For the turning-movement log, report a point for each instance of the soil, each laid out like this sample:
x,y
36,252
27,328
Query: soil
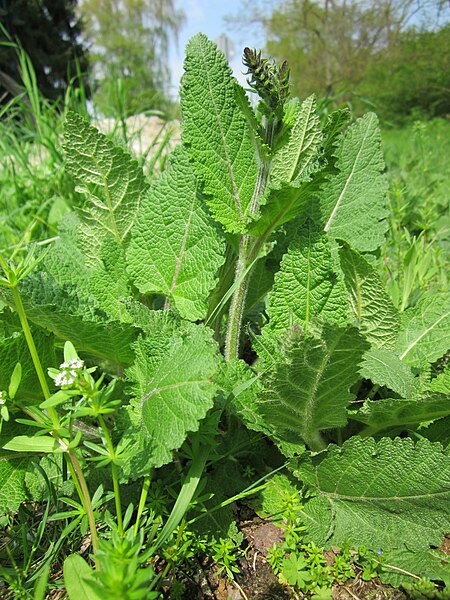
x,y
257,581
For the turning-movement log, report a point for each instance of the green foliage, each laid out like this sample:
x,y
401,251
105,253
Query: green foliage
x,y
384,368
349,204
297,401
409,80
370,306
55,59
176,199
77,577
218,135
385,486
130,53
299,156
307,286
147,284
171,401
424,328
111,180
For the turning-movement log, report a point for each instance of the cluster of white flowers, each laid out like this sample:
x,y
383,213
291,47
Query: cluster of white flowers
x,y
69,372
2,398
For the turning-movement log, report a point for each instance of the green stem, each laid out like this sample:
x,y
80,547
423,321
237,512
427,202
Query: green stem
x,y
115,474
142,501
249,248
73,464
77,473
32,347
237,305
315,441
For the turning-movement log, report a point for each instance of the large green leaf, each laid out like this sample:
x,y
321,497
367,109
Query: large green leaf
x,y
387,494
176,249
217,134
240,386
288,202
430,563
306,286
172,382
104,278
111,179
369,302
353,203
384,368
72,314
309,392
424,331
298,158
12,481
393,413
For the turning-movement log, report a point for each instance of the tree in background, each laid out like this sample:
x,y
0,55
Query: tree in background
x,y
130,52
412,79
49,32
334,46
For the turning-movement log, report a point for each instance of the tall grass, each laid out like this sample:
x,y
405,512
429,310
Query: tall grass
x,y
416,254
36,190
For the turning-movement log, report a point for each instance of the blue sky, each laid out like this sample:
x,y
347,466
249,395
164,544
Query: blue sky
x,y
208,17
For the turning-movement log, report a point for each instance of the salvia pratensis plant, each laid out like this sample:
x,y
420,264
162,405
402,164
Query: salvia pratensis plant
x,y
235,295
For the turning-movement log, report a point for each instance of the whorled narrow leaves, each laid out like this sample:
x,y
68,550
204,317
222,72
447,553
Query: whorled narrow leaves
x,y
424,331
370,305
387,494
176,248
352,202
111,179
172,379
298,158
217,134
307,287
309,391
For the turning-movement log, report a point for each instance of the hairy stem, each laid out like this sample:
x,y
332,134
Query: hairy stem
x,y
237,305
249,249
315,441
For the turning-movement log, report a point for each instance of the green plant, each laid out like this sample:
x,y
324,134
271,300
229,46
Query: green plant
x,y
225,554
239,288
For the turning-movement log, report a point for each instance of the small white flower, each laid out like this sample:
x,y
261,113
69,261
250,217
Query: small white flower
x,y
2,398
69,372
76,363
